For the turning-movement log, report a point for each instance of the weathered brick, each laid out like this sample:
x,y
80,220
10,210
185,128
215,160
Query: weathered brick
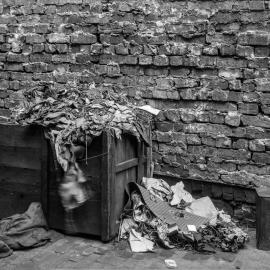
x,y
109,70
254,38
109,39
227,193
156,72
220,95
145,60
227,50
263,158
261,51
61,48
121,49
83,38
231,154
240,144
244,51
37,67
34,38
58,38
161,60
248,108
193,139
12,57
256,146
61,58
164,127
185,83
178,49
256,121
250,196
232,119
210,50
37,48
176,61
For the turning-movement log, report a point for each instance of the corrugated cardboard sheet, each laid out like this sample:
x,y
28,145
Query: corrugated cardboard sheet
x,y
169,214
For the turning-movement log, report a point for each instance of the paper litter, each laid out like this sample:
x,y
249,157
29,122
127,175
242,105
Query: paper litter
x,y
138,243
205,208
171,227
180,194
171,264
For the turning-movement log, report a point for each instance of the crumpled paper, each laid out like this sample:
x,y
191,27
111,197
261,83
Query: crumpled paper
x,y
180,194
158,188
126,226
205,208
138,243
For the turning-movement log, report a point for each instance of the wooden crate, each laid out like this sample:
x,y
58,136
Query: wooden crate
x,y
111,165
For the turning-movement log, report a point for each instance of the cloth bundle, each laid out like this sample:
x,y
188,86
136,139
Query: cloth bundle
x,y
21,231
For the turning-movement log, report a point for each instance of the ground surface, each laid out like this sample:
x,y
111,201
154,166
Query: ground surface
x,y
66,252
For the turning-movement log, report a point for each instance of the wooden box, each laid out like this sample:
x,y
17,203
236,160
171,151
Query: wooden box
x,y
29,173
263,218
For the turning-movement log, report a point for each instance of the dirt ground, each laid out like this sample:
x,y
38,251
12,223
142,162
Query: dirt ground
x,y
67,252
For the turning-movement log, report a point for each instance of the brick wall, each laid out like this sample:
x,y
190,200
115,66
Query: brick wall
x,y
205,63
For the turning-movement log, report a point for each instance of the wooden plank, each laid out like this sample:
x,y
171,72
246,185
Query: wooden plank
x,y
16,175
107,184
44,175
140,168
20,157
20,188
15,202
18,136
126,165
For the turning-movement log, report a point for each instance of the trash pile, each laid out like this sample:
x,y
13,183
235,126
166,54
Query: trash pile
x,y
72,116
170,217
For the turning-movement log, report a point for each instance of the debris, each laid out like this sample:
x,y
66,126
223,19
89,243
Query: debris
x,y
191,228
150,109
197,225
224,217
205,208
180,194
169,214
138,243
171,264
125,227
158,188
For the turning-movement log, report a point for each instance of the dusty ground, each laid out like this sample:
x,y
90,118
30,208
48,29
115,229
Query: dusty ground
x,y
66,252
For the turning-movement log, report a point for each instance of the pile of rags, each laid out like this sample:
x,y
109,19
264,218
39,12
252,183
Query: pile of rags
x,y
21,231
145,224
72,116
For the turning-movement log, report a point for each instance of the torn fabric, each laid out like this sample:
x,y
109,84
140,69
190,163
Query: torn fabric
x,y
20,231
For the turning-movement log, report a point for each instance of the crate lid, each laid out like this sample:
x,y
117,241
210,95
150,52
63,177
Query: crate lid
x,y
263,192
